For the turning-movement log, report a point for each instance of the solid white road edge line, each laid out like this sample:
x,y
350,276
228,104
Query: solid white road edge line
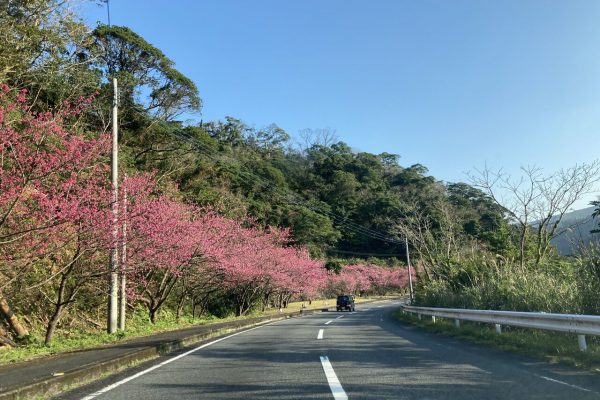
x,y
328,322
334,383
170,360
320,335
566,384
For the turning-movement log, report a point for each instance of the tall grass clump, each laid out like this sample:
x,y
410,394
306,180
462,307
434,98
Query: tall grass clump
x,y
563,287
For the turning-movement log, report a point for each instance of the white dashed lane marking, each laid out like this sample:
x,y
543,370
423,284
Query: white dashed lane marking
x,y
334,383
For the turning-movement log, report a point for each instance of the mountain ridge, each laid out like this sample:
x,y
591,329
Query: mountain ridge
x,y
575,227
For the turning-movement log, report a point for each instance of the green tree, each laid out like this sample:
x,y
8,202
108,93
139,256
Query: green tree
x,y
148,79
42,46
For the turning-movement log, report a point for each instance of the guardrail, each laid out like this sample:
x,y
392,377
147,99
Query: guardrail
x,y
571,323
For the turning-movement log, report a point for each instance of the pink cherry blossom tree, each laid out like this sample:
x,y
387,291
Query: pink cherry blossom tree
x,y
51,187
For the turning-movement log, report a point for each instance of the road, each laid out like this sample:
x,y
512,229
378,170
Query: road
x,y
361,355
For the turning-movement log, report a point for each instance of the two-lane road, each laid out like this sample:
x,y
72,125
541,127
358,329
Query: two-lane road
x,y
360,355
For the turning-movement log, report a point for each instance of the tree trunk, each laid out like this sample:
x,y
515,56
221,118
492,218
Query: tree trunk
x,y
286,301
5,340
12,320
522,249
53,324
152,315
62,299
266,300
180,306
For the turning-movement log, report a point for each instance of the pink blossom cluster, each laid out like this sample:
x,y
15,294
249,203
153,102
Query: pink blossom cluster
x,y
53,182
367,279
167,235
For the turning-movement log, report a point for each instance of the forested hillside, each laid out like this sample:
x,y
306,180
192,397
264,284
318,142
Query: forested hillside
x,y
220,218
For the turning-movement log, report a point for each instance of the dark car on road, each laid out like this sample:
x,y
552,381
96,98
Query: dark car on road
x,y
345,302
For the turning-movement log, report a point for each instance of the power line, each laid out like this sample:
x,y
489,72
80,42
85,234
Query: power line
x,y
296,199
340,220
357,253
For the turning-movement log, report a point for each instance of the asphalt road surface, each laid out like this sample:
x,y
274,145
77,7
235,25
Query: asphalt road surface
x,y
341,355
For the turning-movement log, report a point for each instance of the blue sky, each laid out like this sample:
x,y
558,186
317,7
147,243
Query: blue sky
x,y
448,84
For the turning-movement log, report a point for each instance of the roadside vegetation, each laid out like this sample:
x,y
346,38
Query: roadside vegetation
x,y
514,267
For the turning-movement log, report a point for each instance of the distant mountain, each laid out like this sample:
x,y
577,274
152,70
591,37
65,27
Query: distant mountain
x,y
576,226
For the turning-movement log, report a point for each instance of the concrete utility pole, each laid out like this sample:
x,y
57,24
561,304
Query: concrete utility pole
x,y
410,287
114,252
123,286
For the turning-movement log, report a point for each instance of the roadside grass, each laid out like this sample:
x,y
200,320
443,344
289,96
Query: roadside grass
x,y
552,347
78,339
138,325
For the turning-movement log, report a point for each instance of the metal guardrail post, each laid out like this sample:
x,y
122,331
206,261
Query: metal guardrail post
x,y
498,329
433,319
457,323
582,342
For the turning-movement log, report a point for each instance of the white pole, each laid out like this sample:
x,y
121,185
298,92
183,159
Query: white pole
x,y
122,289
114,252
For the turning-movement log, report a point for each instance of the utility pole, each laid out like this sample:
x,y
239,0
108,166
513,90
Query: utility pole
x,y
122,293
114,251
410,286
